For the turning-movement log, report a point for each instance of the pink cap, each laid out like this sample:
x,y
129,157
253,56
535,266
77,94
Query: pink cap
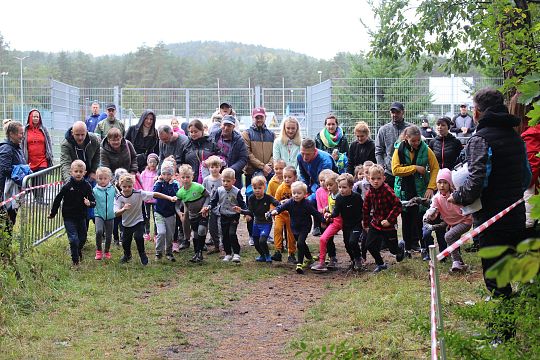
x,y
445,174
258,111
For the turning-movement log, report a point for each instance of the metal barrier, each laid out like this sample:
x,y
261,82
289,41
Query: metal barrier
x,y
36,204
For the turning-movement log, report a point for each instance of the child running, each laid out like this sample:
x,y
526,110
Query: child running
x,y
104,193
77,197
300,210
283,220
380,211
128,205
321,197
458,224
229,203
148,177
165,213
211,183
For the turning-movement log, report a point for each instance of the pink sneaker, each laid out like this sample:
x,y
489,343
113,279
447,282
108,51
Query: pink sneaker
x,y
175,247
146,237
107,255
99,254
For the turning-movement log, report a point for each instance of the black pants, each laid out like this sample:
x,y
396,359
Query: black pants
x,y
229,227
137,232
412,227
331,248
250,222
351,238
118,229
301,244
199,225
375,238
390,180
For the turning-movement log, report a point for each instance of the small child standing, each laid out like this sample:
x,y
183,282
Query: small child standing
x,y
229,203
148,177
104,193
277,179
380,212
283,220
77,197
458,224
118,229
128,205
321,197
259,206
195,198
175,125
211,183
300,210
165,213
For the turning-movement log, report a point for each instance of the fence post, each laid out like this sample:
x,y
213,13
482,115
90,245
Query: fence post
x,y
437,300
187,105
257,97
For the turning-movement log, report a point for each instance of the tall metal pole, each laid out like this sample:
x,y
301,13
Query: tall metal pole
x,y
320,76
283,97
4,73
218,95
22,93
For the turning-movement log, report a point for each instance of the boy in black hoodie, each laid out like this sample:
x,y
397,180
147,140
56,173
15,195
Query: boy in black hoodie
x,y
78,196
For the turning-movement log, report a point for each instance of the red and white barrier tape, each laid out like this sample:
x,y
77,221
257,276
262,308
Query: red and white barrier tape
x,y
433,313
467,237
17,196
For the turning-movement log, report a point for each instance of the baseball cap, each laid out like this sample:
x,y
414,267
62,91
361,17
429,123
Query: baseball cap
x,y
225,105
228,119
463,105
397,106
258,111
111,106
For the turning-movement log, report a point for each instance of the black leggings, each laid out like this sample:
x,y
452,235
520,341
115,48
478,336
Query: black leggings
x,y
351,238
412,227
136,232
229,226
199,225
375,238
303,249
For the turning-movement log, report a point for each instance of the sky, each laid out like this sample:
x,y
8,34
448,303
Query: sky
x,y
316,28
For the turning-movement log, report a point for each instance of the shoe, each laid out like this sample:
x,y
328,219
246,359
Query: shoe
x,y
458,266
320,267
276,256
401,255
144,259
380,268
124,259
307,263
200,257
99,255
236,258
316,231
407,254
227,258
194,258
146,237
175,247
108,255
357,264
415,248
260,258
332,264
209,241
158,257
425,255
299,269
117,243
268,258
184,245
251,242
291,259
80,255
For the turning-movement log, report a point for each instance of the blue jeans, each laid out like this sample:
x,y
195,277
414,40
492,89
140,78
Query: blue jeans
x,y
76,232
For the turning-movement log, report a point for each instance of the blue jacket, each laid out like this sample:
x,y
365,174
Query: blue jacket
x,y
163,207
104,202
10,155
237,157
93,120
309,172
300,213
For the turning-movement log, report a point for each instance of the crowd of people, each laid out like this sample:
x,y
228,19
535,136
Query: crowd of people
x,y
183,182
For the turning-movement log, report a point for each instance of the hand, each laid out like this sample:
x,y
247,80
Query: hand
x,y
172,199
464,130
327,216
248,218
420,169
268,215
385,223
50,216
204,211
86,202
428,194
451,199
274,212
237,209
126,206
267,169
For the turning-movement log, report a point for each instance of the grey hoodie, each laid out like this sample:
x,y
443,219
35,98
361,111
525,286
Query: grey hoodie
x,y
387,135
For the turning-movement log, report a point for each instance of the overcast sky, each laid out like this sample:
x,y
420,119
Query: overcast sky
x,y
316,28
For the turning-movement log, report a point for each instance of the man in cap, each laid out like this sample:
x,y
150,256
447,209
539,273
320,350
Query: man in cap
x,y
387,136
233,148
463,124
106,124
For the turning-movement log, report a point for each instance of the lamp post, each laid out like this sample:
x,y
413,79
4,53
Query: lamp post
x,y
320,76
22,97
4,74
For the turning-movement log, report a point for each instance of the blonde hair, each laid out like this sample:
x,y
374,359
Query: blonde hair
x,y
323,174
283,135
299,185
213,160
258,180
346,177
280,161
368,163
331,176
229,174
291,169
376,169
78,163
362,128
185,169
104,170
127,179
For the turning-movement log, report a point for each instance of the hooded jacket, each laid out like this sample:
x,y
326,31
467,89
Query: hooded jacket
x,y
88,152
30,132
259,144
124,157
237,157
196,151
10,155
144,145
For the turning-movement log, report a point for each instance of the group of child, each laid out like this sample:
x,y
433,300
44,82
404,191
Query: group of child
x,y
363,207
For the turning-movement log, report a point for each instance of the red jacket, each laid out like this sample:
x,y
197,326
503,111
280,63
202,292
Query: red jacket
x,y
385,205
531,137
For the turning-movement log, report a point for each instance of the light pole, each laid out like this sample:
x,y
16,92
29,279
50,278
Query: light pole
x,y
4,74
22,97
320,76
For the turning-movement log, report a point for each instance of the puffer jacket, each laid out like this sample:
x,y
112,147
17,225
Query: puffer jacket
x,y
104,201
259,143
125,157
88,152
446,149
196,151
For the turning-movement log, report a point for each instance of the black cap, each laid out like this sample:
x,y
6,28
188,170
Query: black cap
x,y
225,105
463,105
397,106
111,106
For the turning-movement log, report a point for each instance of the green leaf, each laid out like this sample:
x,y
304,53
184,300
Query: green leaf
x,y
529,244
492,251
529,91
530,269
534,114
494,271
535,77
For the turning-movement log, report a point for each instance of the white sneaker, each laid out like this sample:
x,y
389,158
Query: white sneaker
x,y
251,242
227,258
236,258
458,266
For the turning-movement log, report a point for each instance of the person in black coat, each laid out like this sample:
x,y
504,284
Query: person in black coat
x,y
362,149
144,138
445,146
10,155
197,149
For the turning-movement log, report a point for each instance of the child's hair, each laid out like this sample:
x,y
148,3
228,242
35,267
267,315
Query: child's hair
x,y
104,170
368,163
167,169
362,128
228,174
114,133
299,185
185,169
346,177
290,169
78,163
376,169
127,179
118,174
258,180
174,119
358,169
280,161
213,161
323,174
332,176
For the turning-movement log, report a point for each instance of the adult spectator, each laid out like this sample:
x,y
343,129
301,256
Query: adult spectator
x,y
144,138
198,148
531,137
331,137
287,144
445,146
311,161
226,109
387,136
170,144
117,152
232,146
215,122
95,117
111,121
362,149
463,124
10,155
498,174
83,145
37,149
